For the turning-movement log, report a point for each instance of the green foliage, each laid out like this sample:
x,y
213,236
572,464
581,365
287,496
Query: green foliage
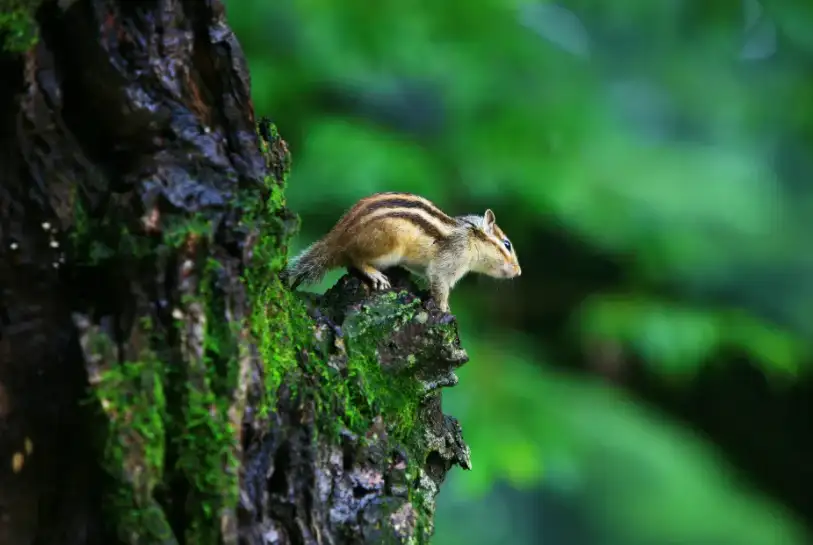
x,y
677,338
643,478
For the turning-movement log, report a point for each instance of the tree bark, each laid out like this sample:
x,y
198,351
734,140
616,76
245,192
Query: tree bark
x,y
158,384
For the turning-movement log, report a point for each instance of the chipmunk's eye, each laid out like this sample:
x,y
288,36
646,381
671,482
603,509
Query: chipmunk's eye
x,y
507,244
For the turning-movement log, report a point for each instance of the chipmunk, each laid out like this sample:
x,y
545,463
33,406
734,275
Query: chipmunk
x,y
401,229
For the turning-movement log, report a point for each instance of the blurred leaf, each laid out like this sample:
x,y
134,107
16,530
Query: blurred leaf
x,y
760,33
558,25
343,162
677,339
515,418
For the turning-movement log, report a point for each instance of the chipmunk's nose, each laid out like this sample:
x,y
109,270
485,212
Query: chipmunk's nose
x,y
519,270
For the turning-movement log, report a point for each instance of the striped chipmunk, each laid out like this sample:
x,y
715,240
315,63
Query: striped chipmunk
x,y
401,229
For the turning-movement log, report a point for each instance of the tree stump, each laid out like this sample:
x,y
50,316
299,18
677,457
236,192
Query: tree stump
x,y
158,382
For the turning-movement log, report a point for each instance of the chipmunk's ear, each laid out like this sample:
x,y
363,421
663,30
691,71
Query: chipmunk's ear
x,y
489,220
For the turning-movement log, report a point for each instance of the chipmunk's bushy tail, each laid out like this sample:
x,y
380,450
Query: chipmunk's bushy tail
x,y
310,266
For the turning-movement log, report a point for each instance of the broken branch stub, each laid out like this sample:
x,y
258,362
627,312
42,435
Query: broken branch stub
x,y
376,483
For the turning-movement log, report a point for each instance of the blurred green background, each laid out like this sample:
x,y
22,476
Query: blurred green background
x,y
645,381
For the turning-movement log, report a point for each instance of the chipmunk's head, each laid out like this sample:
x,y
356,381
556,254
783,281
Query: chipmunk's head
x,y
494,255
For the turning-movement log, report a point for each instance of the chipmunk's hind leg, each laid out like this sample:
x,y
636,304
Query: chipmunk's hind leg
x,y
376,279
378,252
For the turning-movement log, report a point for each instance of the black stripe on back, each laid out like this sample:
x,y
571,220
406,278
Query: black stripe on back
x,y
417,219
406,203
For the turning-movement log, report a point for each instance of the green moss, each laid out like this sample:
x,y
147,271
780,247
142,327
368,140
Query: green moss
x,y
194,428
17,25
132,394
423,501
278,320
97,240
178,230
132,397
371,391
206,442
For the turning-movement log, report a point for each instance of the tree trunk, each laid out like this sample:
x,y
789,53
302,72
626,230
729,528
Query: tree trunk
x,y
158,384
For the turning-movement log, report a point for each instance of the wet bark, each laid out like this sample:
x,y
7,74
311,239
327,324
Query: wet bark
x,y
142,397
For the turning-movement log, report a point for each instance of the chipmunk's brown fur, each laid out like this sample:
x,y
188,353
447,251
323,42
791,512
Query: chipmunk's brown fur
x,y
401,229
